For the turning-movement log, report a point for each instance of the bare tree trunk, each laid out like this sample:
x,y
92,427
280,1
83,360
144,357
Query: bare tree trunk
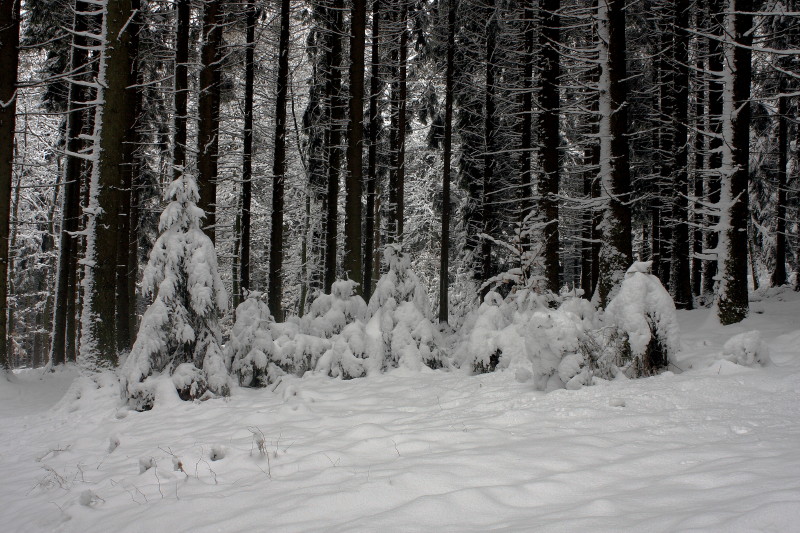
x,y
247,156
681,246
275,289
397,146
372,155
489,133
444,256
208,111
355,146
181,95
70,201
779,274
732,293
549,38
616,250
333,91
713,184
99,332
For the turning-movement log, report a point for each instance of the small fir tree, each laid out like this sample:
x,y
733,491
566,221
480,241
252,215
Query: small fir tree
x,y
180,331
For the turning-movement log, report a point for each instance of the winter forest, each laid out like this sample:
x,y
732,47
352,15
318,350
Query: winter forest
x,y
349,201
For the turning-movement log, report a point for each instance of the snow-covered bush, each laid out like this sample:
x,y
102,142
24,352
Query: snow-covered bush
x,y
295,351
330,313
400,313
524,330
250,347
349,354
181,325
643,313
747,349
480,346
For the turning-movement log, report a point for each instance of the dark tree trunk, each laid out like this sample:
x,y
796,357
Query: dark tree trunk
x,y
616,250
681,246
779,274
715,62
99,344
127,266
699,164
397,139
732,299
355,146
527,205
662,216
372,155
247,155
183,8
489,132
208,112
550,71
333,90
70,200
275,290
444,256
9,60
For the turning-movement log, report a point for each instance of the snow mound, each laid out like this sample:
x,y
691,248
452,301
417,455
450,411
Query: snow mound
x,y
644,311
746,349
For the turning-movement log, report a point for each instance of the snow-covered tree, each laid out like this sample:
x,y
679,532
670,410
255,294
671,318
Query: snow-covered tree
x,y
180,331
400,311
644,313
250,347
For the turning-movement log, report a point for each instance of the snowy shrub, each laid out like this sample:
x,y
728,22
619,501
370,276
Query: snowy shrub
x,y
295,351
644,314
480,345
250,347
181,325
330,313
401,316
348,356
525,330
747,349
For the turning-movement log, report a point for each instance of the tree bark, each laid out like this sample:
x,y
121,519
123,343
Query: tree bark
x,y
208,111
444,256
333,91
732,293
397,139
372,154
779,274
616,250
70,199
550,71
355,147
275,290
99,333
681,245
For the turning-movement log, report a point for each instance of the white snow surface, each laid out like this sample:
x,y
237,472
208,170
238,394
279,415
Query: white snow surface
x,y
714,448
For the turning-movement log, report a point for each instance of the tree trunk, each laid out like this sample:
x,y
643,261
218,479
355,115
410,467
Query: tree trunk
x,y
372,155
779,274
713,183
247,155
489,133
681,245
127,266
616,250
333,91
355,146
98,332
444,255
550,71
527,205
181,95
70,200
732,293
208,111
397,139
275,290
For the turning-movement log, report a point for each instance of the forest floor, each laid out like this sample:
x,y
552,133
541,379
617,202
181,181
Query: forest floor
x,y
713,448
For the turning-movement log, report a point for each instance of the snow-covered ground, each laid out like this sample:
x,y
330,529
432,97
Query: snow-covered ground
x,y
714,448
